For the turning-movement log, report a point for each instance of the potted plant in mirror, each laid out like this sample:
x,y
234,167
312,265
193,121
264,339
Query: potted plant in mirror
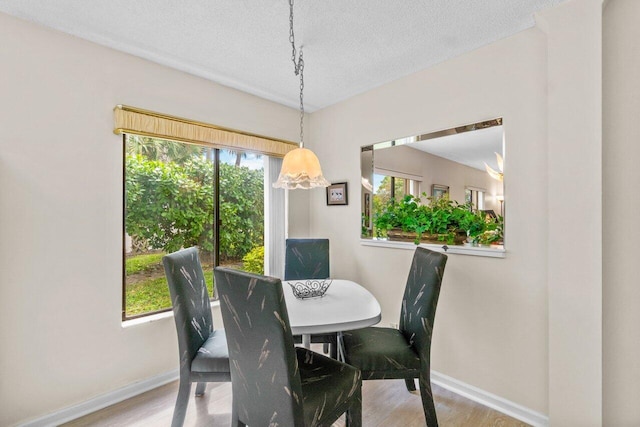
x,y
440,221
474,223
449,221
493,233
398,220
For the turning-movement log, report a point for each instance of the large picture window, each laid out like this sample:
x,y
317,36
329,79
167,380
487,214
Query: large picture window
x,y
178,195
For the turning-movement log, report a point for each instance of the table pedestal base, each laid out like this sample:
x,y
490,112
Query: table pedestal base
x,y
306,343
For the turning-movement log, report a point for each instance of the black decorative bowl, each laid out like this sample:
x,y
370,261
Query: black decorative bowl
x,y
312,288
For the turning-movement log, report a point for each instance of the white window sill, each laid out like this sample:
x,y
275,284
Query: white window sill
x,y
491,252
155,317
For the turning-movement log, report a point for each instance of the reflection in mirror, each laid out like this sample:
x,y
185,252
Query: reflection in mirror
x,y
442,187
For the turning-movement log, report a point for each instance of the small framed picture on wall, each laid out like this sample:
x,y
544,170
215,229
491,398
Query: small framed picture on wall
x,y
337,194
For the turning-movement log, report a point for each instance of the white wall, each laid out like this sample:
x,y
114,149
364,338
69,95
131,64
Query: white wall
x,y
574,144
299,212
491,325
61,337
494,329
621,178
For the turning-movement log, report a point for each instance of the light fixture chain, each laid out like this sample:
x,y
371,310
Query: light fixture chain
x,y
301,69
300,167
298,64
292,39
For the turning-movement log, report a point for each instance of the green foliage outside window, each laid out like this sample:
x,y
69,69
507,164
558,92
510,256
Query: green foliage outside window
x,y
171,205
241,210
253,262
382,196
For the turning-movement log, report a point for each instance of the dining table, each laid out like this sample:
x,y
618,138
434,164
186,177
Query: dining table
x,y
346,305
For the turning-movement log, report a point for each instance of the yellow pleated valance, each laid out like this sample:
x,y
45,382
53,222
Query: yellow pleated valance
x,y
148,123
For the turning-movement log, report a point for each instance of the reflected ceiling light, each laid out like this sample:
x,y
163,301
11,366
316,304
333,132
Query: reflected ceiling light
x,y
300,167
367,185
494,174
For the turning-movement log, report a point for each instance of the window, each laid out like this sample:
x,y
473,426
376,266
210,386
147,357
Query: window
x,y
209,190
475,197
175,194
388,187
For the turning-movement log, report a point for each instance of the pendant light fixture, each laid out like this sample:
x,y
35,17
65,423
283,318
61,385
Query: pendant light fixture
x,y
300,167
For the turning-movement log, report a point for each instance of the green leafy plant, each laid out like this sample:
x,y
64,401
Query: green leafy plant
x,y
493,232
169,205
474,223
441,219
402,214
253,262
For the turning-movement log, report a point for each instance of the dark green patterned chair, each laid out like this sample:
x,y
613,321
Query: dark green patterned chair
x,y
203,350
386,353
275,383
309,259
306,259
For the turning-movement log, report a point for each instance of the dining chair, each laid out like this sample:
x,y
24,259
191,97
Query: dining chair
x,y
273,382
404,353
203,350
306,259
309,259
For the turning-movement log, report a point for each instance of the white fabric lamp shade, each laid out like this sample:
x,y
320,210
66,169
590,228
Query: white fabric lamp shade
x,y
300,169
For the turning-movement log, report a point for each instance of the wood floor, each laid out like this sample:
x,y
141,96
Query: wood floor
x,y
385,404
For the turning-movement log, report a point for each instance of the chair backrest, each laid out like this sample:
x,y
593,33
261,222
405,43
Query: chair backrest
x,y
421,298
190,300
265,378
306,259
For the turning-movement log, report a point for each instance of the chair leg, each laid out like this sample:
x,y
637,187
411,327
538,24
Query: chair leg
x,y
337,347
200,389
354,413
428,405
411,384
180,411
235,421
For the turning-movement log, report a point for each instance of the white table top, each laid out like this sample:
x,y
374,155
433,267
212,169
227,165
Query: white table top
x,y
345,306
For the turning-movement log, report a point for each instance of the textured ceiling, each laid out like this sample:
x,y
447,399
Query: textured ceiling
x,y
349,46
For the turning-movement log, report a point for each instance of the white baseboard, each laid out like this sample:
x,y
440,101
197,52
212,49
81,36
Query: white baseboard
x,y
492,401
70,413
99,402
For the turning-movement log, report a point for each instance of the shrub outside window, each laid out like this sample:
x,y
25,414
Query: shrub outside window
x,y
171,191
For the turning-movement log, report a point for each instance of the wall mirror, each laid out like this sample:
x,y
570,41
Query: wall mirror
x,y
444,187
